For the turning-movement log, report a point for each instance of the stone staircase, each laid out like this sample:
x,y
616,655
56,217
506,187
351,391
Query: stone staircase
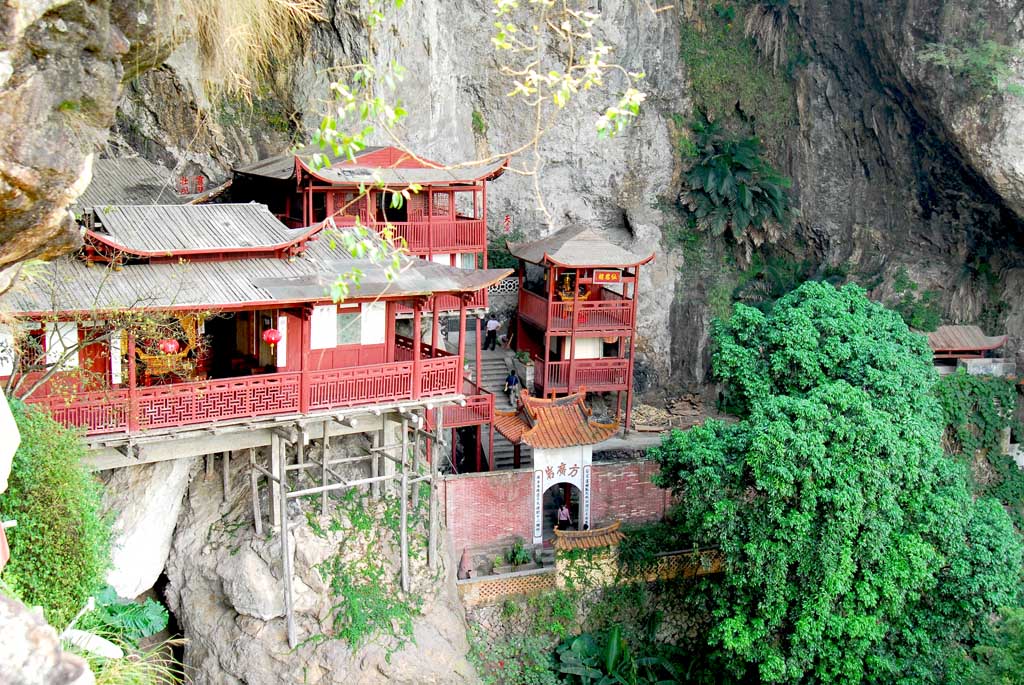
x,y
493,370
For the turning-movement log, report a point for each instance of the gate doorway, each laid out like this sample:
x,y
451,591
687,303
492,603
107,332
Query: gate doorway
x,y
553,499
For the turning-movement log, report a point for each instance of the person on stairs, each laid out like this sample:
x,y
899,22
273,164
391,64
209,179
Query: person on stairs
x,y
512,386
492,332
564,517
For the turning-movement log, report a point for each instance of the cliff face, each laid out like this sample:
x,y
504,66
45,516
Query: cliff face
x,y
898,163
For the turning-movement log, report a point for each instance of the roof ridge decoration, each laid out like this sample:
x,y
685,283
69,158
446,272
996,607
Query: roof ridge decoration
x,y
576,246
553,423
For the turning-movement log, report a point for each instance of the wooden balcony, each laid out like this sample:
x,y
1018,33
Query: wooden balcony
x,y
206,402
598,375
479,409
449,303
431,237
611,314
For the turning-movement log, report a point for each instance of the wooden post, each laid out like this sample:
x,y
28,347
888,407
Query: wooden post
x,y
276,468
404,507
632,351
575,313
435,326
479,438
286,558
490,438
133,393
382,460
227,475
325,453
434,505
254,485
462,330
305,336
416,459
478,351
416,335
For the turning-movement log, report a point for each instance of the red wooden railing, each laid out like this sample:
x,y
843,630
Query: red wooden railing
x,y
97,412
479,408
447,235
202,402
403,350
596,374
182,404
360,385
591,315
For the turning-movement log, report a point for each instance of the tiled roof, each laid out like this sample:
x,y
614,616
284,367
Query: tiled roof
x,y
576,246
963,338
282,166
132,180
549,424
609,536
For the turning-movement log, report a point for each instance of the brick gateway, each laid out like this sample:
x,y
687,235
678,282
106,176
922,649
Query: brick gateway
x,y
485,509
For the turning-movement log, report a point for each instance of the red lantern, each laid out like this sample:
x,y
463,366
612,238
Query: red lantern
x,y
168,346
271,336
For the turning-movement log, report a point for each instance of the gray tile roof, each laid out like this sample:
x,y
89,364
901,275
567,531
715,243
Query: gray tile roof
x,y
282,166
163,229
403,177
129,181
68,284
576,246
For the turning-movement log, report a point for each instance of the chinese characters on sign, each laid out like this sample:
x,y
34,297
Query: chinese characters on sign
x,y
586,496
607,276
538,507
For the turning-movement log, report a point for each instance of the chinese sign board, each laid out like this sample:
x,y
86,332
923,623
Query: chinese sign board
x,y
555,466
607,276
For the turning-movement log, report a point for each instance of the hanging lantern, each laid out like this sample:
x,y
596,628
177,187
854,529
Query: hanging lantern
x,y
168,346
271,336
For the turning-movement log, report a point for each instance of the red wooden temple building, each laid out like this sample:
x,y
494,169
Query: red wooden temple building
x,y
246,326
577,313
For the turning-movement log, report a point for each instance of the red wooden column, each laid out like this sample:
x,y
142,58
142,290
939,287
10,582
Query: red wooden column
x,y
133,396
305,337
478,351
519,319
552,277
632,349
462,330
416,334
575,313
434,325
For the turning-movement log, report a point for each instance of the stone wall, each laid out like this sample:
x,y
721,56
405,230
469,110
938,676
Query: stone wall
x,y
489,509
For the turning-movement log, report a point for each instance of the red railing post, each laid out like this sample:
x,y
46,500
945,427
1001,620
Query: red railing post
x,y
304,342
417,381
133,399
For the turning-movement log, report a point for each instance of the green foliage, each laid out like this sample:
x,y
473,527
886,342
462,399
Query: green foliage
x,y
152,666
498,256
976,411
732,188
518,554
479,124
728,79
554,613
855,550
61,546
607,659
519,660
999,660
987,65
639,551
920,311
124,619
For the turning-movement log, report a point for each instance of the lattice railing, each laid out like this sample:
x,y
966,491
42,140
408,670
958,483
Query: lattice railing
x,y
436,235
96,412
440,376
479,408
361,385
493,589
181,404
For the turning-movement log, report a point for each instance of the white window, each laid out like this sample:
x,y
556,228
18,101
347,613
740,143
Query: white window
x,y
282,345
467,260
374,323
61,338
323,327
349,326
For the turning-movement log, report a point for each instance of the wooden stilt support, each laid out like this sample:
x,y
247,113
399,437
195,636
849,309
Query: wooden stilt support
x,y
282,490
226,476
324,457
432,521
276,468
254,485
416,465
404,507
209,465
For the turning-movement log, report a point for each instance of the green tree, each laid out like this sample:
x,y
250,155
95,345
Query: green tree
x,y
60,549
855,551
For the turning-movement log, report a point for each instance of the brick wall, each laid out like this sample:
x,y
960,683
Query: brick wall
x,y
623,491
483,509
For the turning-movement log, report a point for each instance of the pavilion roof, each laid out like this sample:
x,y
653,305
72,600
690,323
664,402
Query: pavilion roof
x,y
132,180
576,246
387,165
561,422
163,230
596,538
963,339
69,284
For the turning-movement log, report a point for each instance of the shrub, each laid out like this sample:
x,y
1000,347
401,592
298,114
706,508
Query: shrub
x,y
732,188
60,549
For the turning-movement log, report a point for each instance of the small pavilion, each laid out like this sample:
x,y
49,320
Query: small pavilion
x,y
577,313
963,342
562,434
